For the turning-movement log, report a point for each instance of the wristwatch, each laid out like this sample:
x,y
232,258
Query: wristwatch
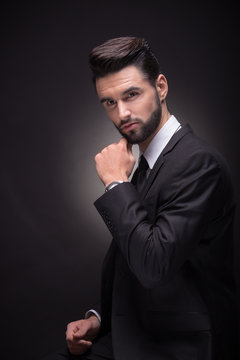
x,y
113,184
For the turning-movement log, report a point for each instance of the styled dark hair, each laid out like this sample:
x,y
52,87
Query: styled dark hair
x,y
115,54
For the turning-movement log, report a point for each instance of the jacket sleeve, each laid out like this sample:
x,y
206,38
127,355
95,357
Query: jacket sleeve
x,y
155,250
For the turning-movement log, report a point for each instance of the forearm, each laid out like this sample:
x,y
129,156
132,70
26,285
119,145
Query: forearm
x,y
96,324
128,222
155,247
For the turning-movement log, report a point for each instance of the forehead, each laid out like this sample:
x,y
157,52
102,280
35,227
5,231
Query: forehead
x,y
120,81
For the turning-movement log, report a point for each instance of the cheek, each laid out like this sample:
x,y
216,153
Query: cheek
x,y
144,109
113,117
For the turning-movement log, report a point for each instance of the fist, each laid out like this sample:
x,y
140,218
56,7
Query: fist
x,y
79,334
115,162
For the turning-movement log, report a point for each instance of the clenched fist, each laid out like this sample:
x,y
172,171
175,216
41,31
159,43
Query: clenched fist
x,y
79,334
115,162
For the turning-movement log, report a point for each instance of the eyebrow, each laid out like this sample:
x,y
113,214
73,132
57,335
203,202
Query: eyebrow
x,y
102,100
131,88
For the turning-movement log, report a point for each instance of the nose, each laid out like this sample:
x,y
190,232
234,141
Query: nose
x,y
123,111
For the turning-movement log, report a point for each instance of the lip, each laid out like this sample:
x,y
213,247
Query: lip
x,y
129,126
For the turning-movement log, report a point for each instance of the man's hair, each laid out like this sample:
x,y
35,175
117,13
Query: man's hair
x,y
115,54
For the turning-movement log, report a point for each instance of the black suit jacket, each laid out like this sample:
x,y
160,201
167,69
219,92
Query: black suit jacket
x,y
170,265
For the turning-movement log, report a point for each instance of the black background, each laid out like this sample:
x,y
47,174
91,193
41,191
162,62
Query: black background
x,y
52,125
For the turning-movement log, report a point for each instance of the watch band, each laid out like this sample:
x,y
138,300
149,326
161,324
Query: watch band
x,y
113,184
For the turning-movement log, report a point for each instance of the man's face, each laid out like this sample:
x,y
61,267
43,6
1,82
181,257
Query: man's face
x,y
131,102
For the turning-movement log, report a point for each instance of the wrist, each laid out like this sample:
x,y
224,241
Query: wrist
x,y
94,319
95,324
111,179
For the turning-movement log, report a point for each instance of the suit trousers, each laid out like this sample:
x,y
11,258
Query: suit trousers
x,y
101,350
183,345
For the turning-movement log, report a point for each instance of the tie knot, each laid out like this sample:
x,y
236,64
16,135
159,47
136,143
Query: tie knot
x,y
143,164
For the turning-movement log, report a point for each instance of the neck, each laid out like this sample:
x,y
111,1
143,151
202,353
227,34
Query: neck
x,y
165,116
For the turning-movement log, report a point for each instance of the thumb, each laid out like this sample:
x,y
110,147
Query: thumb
x,y
123,141
86,343
126,143
80,332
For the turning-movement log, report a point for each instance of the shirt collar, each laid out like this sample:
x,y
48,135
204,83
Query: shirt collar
x,y
160,140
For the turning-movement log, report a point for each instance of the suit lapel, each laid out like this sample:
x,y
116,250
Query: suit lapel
x,y
169,147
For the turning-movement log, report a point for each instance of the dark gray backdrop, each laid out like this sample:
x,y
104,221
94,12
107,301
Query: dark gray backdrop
x,y
52,239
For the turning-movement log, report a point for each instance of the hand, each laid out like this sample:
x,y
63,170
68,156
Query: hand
x,y
115,162
79,334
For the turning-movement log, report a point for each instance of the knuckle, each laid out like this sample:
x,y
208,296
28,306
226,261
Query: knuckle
x,y
111,146
68,340
71,324
97,157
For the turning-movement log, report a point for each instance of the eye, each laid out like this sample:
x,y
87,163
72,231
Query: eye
x,y
132,94
110,103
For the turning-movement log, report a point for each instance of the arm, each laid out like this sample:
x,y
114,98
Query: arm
x,y
155,250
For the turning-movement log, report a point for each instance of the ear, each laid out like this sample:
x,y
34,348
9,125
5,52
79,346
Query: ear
x,y
162,87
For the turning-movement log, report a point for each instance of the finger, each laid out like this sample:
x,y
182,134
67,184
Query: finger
x,y
126,143
123,141
85,343
70,331
78,335
72,327
81,331
75,329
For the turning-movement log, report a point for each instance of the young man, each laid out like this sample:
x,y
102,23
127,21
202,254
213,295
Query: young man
x,y
167,281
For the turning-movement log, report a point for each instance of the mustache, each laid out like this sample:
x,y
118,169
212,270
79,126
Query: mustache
x,y
129,121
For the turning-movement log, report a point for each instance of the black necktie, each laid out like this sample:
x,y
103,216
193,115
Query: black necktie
x,y
141,176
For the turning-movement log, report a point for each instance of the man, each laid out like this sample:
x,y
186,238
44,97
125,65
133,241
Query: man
x,y
167,280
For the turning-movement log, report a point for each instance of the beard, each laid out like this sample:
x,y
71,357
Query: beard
x,y
146,129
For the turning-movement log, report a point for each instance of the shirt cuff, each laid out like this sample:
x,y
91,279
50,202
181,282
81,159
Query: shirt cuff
x,y
92,312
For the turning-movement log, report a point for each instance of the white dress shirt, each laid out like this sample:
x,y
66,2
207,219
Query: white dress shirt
x,y
160,140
